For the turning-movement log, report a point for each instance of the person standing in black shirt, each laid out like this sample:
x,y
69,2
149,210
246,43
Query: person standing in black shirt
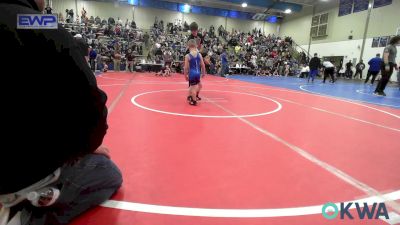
x,y
359,69
315,65
194,29
349,72
71,14
48,9
129,58
388,65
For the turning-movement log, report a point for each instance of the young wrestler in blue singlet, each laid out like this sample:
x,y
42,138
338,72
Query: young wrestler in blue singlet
x,y
194,69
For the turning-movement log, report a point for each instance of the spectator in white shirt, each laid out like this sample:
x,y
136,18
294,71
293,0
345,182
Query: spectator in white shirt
x,y
287,69
254,60
305,69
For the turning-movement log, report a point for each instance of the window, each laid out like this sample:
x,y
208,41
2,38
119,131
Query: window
x,y
319,25
322,30
314,31
315,21
323,19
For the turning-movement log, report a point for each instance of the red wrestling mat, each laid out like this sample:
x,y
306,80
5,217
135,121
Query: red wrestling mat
x,y
247,154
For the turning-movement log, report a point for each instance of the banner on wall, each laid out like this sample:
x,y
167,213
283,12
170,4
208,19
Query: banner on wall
x,y
184,8
384,41
345,2
381,3
360,5
345,9
375,42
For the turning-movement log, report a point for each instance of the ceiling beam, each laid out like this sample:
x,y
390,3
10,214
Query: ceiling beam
x,y
298,2
228,5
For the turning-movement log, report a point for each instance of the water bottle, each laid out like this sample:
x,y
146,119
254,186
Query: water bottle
x,y
44,197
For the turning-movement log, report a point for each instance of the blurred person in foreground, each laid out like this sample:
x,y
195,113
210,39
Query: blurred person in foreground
x,y
54,167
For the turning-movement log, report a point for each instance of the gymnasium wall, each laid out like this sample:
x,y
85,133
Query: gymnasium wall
x,y
298,29
101,9
339,28
384,21
144,17
204,21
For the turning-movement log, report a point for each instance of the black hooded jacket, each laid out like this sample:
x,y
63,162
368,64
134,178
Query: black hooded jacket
x,y
52,110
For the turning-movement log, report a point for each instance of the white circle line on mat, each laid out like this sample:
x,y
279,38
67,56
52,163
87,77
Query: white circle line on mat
x,y
237,213
278,108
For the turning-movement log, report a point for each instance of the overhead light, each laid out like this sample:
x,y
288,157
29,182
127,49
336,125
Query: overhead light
x,y
288,11
186,8
244,4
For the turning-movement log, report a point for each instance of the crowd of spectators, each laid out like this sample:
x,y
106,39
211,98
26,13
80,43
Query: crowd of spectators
x,y
250,53
116,44
106,43
260,54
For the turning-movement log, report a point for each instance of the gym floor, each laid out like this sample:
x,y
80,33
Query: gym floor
x,y
256,150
